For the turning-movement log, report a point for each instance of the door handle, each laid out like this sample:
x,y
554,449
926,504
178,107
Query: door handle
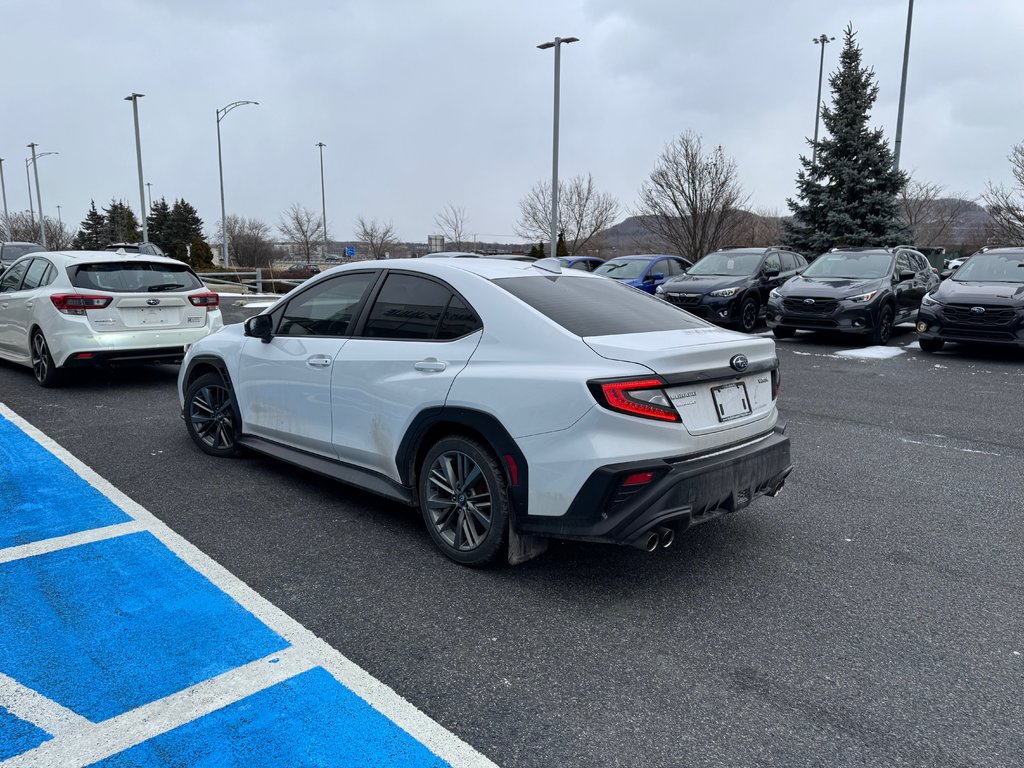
x,y
28,305
431,364
319,362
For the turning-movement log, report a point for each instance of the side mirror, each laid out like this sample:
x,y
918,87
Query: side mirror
x,y
655,277
260,327
907,275
771,273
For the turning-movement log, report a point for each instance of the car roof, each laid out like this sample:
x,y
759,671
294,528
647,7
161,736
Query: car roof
x,y
647,257
93,257
490,269
20,242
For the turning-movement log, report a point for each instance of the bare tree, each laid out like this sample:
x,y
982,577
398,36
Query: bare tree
x,y
1004,203
378,236
59,236
762,227
691,196
249,242
20,227
303,228
451,222
583,212
930,216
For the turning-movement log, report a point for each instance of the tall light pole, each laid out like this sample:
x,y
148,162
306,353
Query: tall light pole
x,y
822,40
3,189
220,168
323,198
39,198
557,45
61,223
149,196
134,99
903,90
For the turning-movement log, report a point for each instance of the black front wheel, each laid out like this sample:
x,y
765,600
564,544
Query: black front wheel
x,y
211,416
748,315
464,501
883,328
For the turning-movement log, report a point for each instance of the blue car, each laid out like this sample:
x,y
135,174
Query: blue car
x,y
582,263
644,271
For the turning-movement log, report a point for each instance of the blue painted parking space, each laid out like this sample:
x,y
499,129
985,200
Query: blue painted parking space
x,y
40,497
123,646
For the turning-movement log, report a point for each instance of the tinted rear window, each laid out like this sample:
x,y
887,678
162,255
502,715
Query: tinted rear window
x,y
12,252
597,307
134,277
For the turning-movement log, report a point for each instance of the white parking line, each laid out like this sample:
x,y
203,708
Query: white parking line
x,y
21,551
309,651
33,707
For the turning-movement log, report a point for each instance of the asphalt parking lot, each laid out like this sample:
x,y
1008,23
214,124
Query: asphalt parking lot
x,y
870,615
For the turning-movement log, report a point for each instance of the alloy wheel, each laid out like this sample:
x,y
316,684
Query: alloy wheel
x,y
40,358
459,500
210,411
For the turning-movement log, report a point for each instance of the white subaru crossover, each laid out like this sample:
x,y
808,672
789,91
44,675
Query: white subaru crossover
x,y
61,310
511,402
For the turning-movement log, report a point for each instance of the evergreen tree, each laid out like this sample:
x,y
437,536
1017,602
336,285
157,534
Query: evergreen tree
x,y
92,233
184,228
560,248
535,252
122,223
849,197
157,224
200,256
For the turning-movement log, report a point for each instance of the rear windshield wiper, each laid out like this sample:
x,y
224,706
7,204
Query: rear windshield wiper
x,y
165,287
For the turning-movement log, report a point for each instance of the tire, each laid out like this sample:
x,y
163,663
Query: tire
x,y
748,314
782,332
464,501
931,345
883,327
211,416
45,370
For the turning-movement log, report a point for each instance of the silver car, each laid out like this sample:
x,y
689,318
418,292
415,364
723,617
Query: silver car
x,y
65,310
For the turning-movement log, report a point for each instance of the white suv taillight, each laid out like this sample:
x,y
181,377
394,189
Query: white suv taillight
x,y
637,397
208,300
78,303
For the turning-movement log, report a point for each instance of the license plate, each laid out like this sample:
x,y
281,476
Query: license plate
x,y
154,316
731,401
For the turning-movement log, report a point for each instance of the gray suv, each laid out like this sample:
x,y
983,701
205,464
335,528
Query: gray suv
x,y
9,252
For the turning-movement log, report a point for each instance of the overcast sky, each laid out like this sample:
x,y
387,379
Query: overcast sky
x,y
425,103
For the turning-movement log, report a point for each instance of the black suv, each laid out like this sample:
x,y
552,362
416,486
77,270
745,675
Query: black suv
x,y
856,290
730,286
983,301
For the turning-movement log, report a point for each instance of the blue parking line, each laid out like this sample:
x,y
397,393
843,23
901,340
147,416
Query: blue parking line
x,y
271,729
40,497
108,632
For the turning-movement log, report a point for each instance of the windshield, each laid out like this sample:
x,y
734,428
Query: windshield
x,y
134,277
623,269
580,305
851,265
731,264
992,268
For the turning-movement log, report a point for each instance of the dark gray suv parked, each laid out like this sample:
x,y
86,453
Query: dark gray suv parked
x,y
9,252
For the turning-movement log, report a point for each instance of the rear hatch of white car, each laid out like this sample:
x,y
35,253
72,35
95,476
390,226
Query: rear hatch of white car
x,y
138,295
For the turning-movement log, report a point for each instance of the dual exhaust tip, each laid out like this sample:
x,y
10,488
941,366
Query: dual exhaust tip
x,y
661,536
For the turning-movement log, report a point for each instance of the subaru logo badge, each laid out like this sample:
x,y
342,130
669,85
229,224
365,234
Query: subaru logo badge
x,y
808,301
977,310
152,302
739,362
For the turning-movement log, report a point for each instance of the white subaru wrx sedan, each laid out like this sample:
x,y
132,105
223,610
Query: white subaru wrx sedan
x,y
511,402
61,310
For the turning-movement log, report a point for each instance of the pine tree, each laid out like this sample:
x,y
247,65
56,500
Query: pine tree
x,y
157,224
183,229
122,223
92,233
849,196
560,248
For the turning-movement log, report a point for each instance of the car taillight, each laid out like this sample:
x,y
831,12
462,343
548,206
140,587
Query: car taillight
x,y
77,303
776,383
637,397
208,300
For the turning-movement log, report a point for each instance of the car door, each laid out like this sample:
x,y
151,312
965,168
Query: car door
x,y
284,386
766,283
418,335
20,309
907,299
651,279
10,300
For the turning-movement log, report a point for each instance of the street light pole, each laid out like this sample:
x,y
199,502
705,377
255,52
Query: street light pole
x,y
903,90
323,198
821,40
149,196
3,189
39,198
134,99
220,168
61,223
557,45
